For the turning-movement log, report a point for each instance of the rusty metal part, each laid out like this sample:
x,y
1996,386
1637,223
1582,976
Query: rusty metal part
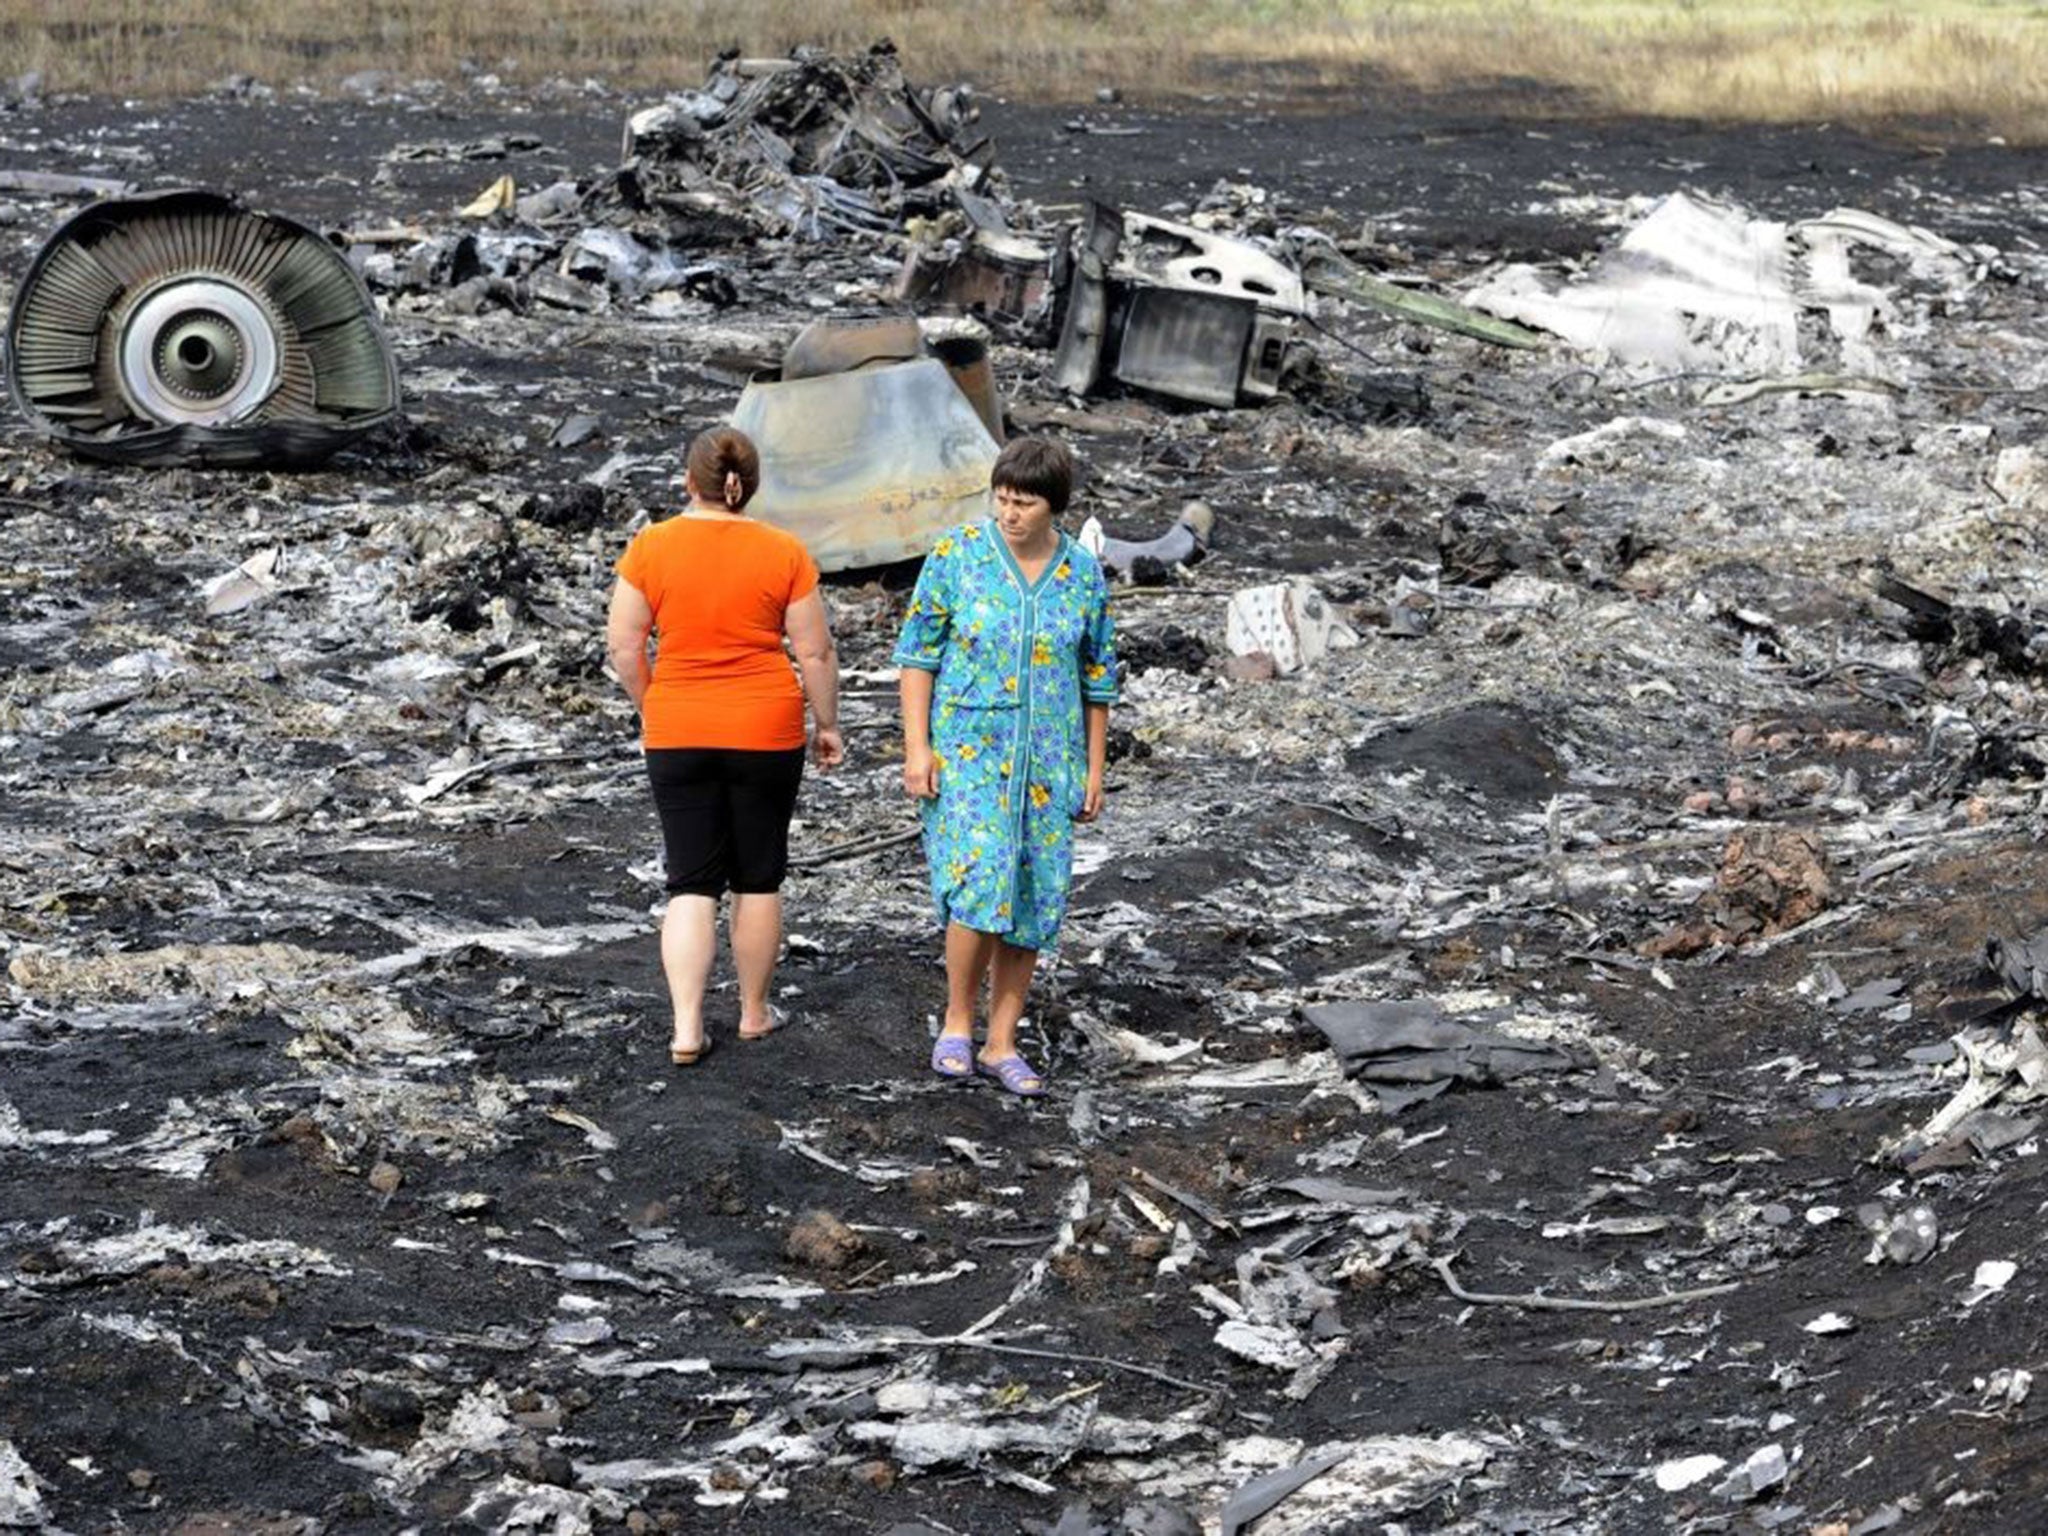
x,y
965,354
840,346
999,276
1188,345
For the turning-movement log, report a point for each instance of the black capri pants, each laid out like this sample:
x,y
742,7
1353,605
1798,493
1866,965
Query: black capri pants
x,y
725,817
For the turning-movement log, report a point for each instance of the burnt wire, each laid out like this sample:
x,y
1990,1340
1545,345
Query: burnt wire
x,y
1343,341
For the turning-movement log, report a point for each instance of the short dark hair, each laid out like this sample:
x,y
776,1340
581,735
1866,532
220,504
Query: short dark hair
x,y
1037,466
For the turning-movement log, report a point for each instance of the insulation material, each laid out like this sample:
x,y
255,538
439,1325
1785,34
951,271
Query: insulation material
x,y
1702,285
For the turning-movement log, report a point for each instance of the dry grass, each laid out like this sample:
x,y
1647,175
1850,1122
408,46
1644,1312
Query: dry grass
x,y
1984,62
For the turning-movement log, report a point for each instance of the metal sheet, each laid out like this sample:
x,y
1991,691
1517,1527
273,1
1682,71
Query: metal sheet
x,y
1181,256
1188,345
868,467
966,358
1265,358
1084,327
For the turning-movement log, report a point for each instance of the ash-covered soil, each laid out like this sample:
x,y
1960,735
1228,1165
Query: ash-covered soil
x,y
344,1183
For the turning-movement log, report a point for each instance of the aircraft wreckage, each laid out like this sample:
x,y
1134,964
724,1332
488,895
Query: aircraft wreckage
x,y
1549,1040
183,328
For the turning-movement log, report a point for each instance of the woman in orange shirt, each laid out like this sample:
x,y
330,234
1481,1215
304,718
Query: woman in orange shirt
x,y
722,718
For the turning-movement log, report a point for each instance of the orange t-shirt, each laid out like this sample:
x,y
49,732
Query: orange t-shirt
x,y
719,588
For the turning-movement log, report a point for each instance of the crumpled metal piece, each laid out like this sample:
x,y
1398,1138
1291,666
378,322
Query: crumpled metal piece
x,y
1411,1050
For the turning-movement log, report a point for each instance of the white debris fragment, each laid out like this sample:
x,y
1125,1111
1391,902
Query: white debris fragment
x,y
1289,620
955,1434
122,681
1607,1226
131,1252
596,1136
1764,1470
21,1492
481,1421
17,1137
1992,1276
1386,1475
513,1506
1599,447
1677,1476
2020,477
621,1364
580,1332
185,1140
971,1151
1267,1344
1320,1069
1128,1045
1906,1238
2005,1388
514,943
1184,1253
250,583
1699,284
902,1397
1831,1322
410,672
2013,1070
639,1472
784,1293
137,1330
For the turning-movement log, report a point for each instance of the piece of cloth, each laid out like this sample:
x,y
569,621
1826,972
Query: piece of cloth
x,y
1410,1051
720,588
1014,661
725,816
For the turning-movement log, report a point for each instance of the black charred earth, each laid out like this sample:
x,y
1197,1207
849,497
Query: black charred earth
x,y
1499,1068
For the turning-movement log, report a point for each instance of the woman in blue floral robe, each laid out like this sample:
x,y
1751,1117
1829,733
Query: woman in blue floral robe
x,y
1008,660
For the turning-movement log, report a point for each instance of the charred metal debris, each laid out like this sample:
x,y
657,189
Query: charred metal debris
x,y
185,330
1550,1036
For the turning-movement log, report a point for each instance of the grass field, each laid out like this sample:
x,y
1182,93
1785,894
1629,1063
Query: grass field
x,y
1983,63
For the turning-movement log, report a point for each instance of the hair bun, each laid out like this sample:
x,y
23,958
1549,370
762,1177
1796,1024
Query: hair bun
x,y
724,467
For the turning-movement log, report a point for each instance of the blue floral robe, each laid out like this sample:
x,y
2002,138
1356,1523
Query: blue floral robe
x,y
1014,662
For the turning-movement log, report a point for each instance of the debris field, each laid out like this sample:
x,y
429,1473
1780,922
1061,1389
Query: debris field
x,y
1547,1038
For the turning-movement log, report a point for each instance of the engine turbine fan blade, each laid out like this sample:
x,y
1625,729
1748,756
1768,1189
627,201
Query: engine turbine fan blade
x,y
181,328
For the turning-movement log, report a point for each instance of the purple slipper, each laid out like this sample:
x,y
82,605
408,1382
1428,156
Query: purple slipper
x,y
953,1056
1015,1074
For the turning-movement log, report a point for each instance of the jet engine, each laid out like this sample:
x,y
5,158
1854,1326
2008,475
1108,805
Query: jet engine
x,y
181,328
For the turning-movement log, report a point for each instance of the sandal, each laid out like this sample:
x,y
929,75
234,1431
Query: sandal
x,y
684,1058
776,1019
1015,1074
953,1056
